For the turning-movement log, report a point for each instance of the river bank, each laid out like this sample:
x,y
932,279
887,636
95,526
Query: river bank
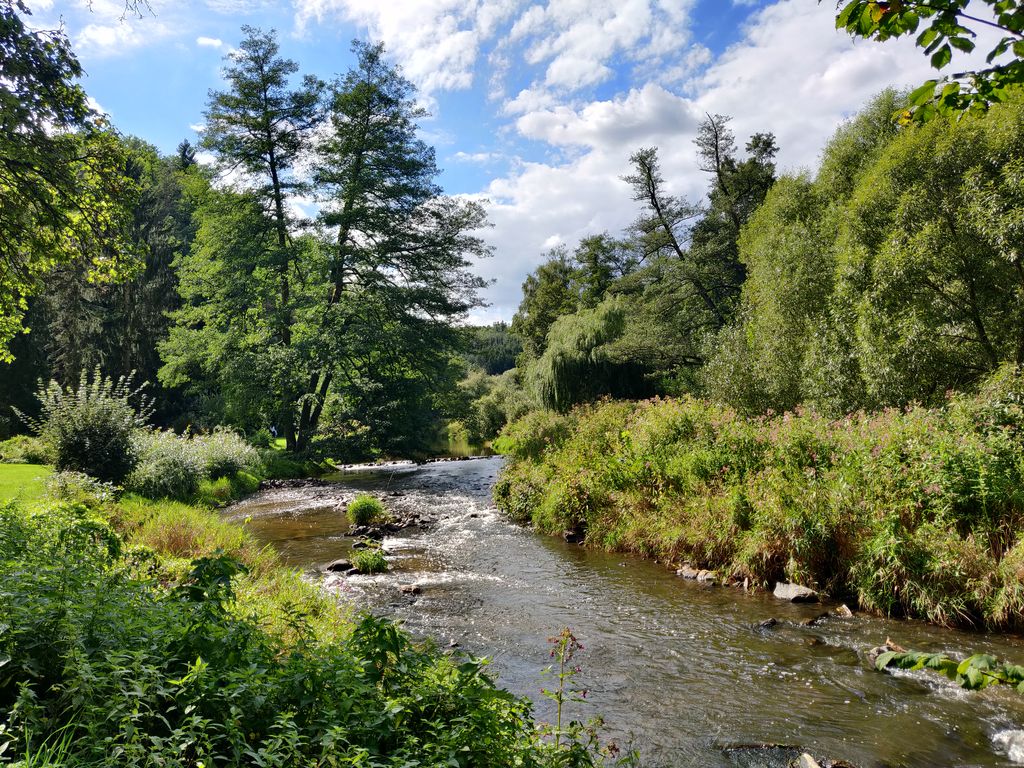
x,y
911,513
139,632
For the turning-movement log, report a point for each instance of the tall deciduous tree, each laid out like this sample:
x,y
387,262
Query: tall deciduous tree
x,y
260,127
352,319
398,249
64,196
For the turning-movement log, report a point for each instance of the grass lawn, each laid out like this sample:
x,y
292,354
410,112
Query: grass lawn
x,y
23,481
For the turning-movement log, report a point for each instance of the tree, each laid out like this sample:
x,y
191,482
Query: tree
x,y
261,126
946,25
63,193
893,277
351,319
547,295
398,253
690,286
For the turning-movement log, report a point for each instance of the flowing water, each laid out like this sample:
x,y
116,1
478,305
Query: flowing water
x,y
683,668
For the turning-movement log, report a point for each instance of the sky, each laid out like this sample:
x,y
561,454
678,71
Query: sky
x,y
535,105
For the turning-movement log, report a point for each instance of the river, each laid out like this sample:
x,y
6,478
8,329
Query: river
x,y
685,670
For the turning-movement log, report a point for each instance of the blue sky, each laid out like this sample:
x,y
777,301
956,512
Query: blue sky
x,y
536,104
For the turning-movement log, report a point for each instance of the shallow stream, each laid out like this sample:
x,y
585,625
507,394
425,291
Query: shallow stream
x,y
684,669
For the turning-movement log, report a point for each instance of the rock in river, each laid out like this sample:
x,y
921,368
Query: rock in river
x,y
794,593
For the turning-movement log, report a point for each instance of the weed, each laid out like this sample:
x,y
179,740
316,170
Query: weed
x,y
364,509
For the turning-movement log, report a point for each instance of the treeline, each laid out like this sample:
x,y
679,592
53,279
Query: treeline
x,y
891,276
309,281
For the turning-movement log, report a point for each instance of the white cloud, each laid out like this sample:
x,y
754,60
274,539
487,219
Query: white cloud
x,y
562,46
476,157
436,41
209,42
790,73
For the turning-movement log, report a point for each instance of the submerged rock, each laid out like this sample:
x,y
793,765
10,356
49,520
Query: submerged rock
x,y
688,572
574,536
410,589
795,593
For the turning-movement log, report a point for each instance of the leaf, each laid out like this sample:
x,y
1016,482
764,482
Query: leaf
x,y
843,19
883,660
923,93
942,57
927,37
962,44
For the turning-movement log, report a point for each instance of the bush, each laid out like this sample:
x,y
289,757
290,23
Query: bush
x,y
169,466
224,490
79,488
139,671
90,428
23,449
364,509
369,560
225,453
261,438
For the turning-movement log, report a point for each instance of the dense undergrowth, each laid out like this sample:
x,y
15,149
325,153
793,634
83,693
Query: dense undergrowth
x,y
914,512
142,633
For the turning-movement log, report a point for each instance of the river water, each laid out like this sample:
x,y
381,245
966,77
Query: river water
x,y
683,669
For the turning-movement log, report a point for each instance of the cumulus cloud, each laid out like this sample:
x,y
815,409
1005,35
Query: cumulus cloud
x,y
789,73
209,42
562,46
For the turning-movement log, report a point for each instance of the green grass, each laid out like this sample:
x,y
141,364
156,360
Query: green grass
x,y
25,482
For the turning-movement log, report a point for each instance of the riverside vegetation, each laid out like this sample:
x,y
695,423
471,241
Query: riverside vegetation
x,y
913,512
141,630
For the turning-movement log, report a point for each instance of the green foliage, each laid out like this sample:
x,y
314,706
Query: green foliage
x,y
914,512
943,25
225,453
66,195
88,630
168,466
369,560
308,329
577,366
224,490
79,488
364,509
91,428
887,280
492,348
24,449
973,673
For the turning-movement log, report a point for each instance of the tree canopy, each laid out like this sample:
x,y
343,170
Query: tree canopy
x,y
65,194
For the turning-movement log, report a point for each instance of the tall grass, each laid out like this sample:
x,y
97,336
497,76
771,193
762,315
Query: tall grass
x,y
917,512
